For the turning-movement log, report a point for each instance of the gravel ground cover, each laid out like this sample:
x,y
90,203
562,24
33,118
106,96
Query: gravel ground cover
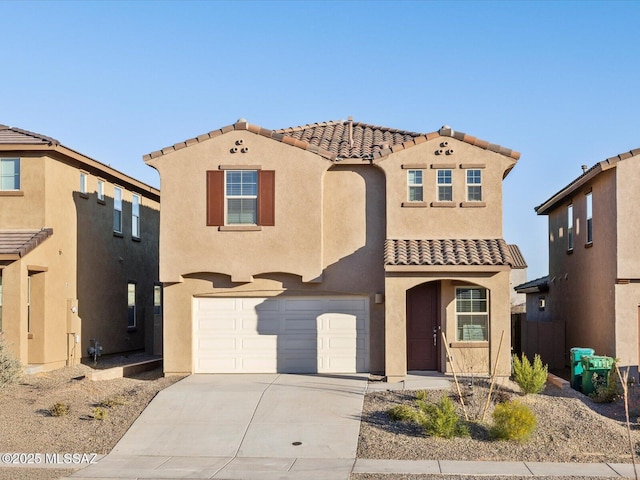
x,y
28,427
571,428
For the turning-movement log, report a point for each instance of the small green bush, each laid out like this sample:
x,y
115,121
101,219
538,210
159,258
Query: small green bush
x,y
441,420
513,421
403,413
113,402
10,368
59,409
607,389
438,419
422,395
530,378
100,413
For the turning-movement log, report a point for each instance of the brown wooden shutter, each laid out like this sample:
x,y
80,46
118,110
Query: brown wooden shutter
x,y
215,197
266,197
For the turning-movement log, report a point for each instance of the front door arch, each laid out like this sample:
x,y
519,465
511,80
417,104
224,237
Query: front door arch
x,y
423,327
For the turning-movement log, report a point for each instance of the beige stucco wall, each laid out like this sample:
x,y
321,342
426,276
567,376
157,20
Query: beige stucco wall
x,y
77,265
455,221
331,221
328,236
469,357
290,246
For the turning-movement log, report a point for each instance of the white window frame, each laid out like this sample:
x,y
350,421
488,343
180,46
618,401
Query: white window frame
x,y
132,321
15,175
157,299
100,190
471,334
83,182
135,215
570,227
474,184
415,186
241,196
442,184
589,209
117,209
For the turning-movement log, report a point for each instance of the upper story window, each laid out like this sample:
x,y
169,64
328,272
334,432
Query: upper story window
x,y
445,186
135,216
589,218
241,198
117,209
472,314
83,182
474,185
570,227
414,182
9,174
100,190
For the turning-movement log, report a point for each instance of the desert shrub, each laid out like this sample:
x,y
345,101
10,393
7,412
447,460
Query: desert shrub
x,y
402,413
606,389
422,395
530,377
10,368
441,420
59,409
513,421
112,402
100,413
438,419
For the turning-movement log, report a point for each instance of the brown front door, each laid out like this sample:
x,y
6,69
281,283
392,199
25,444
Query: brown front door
x,y
423,327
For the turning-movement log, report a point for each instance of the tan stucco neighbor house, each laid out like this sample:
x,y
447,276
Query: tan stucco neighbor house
x,y
78,254
334,247
594,260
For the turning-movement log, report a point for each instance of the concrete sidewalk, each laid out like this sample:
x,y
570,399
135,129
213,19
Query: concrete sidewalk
x,y
249,426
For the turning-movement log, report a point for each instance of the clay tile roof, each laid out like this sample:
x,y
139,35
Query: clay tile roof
x,y
447,252
348,139
340,139
518,259
12,135
21,242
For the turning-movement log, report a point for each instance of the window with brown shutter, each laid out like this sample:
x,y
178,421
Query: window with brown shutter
x,y
266,197
215,198
229,195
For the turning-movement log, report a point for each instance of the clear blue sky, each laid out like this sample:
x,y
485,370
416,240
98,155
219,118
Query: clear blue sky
x,y
556,81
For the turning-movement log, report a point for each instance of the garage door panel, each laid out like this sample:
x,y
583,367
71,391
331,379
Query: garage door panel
x,y
281,334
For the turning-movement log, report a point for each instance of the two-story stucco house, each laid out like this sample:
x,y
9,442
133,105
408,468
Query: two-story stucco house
x,y
78,254
333,247
594,261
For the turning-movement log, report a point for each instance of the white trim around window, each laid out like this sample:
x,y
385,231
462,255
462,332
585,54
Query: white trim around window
x,y
570,227
135,216
241,197
83,182
589,201
9,174
472,314
444,180
100,190
474,185
132,321
117,209
415,185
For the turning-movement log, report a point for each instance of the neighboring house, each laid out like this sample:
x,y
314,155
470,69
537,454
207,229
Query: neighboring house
x,y
518,276
78,254
333,247
594,259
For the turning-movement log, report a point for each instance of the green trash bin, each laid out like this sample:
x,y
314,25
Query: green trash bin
x,y
576,366
594,364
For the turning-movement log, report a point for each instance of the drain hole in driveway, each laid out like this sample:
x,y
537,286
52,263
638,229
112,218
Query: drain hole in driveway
x,y
296,443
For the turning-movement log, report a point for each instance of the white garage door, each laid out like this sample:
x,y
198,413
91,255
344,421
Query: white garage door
x,y
281,334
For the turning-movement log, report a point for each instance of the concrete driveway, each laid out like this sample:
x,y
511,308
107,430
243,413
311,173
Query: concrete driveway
x,y
243,426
